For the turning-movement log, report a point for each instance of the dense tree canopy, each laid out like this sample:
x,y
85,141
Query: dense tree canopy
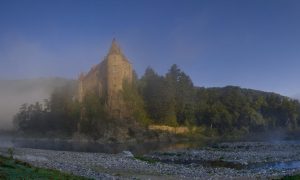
x,y
171,100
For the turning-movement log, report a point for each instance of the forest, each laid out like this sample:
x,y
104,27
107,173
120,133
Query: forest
x,y
170,99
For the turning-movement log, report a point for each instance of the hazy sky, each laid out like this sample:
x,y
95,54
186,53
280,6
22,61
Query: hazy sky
x,y
252,44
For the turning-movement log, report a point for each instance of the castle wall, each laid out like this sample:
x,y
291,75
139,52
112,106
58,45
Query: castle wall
x,y
106,80
118,70
94,82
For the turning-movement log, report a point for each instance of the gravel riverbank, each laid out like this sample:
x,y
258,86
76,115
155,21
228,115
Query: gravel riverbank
x,y
226,160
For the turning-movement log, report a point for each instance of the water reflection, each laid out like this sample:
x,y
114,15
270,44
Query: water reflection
x,y
284,165
78,146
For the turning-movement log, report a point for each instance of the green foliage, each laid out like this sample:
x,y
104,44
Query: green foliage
x,y
291,177
135,103
146,159
173,100
14,169
60,113
94,118
232,108
167,100
155,95
181,92
10,151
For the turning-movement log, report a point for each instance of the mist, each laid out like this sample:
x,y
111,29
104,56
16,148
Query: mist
x,y
14,93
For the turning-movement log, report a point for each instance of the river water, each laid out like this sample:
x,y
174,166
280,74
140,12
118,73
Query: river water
x,y
90,146
136,149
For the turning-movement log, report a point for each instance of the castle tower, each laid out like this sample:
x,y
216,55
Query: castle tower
x,y
106,80
118,70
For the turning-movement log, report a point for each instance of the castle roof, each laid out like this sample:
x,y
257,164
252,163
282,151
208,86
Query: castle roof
x,y
115,48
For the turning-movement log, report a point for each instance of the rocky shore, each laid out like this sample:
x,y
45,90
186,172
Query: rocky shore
x,y
249,160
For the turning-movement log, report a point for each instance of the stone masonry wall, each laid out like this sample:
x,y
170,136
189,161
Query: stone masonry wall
x,y
106,80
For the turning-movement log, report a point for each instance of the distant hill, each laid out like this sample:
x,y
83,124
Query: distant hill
x,y
14,93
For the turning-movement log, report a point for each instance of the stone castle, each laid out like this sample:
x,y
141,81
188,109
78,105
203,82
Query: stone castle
x,y
106,80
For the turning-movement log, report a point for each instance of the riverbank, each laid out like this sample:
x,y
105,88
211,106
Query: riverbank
x,y
224,160
15,169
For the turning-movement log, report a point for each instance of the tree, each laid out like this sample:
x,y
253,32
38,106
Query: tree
x,y
134,102
94,118
156,96
181,93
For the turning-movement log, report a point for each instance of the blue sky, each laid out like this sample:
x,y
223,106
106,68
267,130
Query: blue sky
x,y
252,44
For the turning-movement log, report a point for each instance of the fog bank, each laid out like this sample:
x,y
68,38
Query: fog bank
x,y
14,93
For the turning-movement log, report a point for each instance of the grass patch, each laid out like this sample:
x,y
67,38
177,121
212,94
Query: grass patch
x,y
15,169
293,177
169,154
146,159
